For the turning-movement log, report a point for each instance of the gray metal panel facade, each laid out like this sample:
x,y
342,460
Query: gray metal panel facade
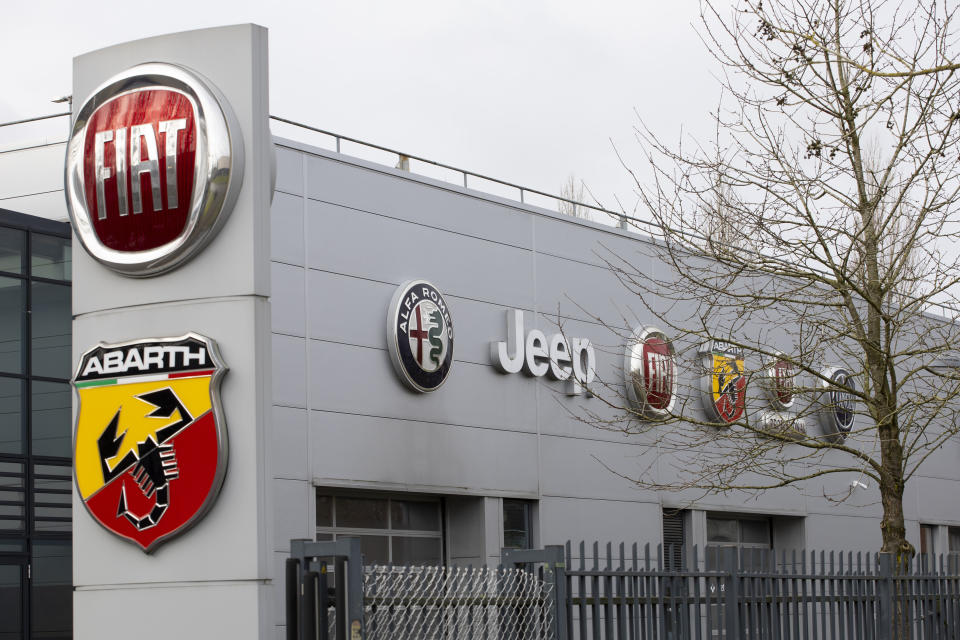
x,y
347,232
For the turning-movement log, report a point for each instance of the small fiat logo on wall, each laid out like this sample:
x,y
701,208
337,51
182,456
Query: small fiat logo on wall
x,y
651,371
153,168
420,335
838,413
780,375
724,383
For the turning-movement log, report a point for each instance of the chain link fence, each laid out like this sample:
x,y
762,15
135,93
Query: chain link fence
x,y
434,603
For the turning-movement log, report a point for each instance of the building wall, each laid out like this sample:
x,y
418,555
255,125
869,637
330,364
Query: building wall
x,y
346,233
31,178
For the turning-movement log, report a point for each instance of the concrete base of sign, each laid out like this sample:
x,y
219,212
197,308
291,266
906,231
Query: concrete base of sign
x,y
187,610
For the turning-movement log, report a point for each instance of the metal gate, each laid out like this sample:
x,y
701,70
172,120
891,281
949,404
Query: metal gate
x,y
335,596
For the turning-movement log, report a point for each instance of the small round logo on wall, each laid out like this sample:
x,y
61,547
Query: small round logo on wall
x,y
420,335
780,376
651,370
838,413
153,168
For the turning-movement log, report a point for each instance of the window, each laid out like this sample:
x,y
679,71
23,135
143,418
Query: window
x,y
517,524
51,590
399,529
928,533
35,428
750,535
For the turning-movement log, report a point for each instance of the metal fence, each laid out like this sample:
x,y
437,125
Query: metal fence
x,y
727,592
607,592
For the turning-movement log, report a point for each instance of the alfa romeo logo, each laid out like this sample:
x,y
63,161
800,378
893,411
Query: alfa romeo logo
x,y
724,383
154,165
150,449
420,335
651,370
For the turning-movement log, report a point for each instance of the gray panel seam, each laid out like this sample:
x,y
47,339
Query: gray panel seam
x,y
206,300
421,224
448,294
311,504
518,430
440,185
563,496
458,233
27,195
373,348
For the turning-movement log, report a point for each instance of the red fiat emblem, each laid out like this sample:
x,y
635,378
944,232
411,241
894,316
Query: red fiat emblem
x,y
783,374
154,166
138,164
651,373
658,373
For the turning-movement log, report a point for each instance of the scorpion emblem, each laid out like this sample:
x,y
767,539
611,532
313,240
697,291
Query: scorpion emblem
x,y
727,381
153,465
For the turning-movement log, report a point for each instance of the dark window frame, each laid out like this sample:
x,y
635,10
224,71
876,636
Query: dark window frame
x,y
528,520
333,530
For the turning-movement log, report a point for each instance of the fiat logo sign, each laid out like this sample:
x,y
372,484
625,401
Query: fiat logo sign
x,y
154,166
651,370
780,376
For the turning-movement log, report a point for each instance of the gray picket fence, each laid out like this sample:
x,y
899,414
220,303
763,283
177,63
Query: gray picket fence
x,y
614,592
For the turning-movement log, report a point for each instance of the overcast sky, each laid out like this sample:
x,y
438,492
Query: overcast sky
x,y
529,92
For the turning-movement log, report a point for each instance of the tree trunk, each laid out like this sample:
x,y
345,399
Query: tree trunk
x,y
891,496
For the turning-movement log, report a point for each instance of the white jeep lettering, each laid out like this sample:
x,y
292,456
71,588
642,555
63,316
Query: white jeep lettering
x,y
574,362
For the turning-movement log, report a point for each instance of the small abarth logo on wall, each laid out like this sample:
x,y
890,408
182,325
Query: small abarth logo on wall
x,y
651,371
154,166
420,335
151,446
724,383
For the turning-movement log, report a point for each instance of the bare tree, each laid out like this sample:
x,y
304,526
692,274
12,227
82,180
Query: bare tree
x,y
826,253
571,199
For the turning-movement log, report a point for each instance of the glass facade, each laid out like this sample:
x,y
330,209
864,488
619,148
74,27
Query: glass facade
x,y
35,429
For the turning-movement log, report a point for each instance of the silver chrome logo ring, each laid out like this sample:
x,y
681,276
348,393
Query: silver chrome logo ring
x,y
217,175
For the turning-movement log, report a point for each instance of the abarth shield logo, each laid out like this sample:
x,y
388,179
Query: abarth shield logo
x,y
724,383
150,449
420,335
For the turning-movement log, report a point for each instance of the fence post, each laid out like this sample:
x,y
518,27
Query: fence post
x,y
553,556
306,582
885,597
731,595
558,570
355,589
293,598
